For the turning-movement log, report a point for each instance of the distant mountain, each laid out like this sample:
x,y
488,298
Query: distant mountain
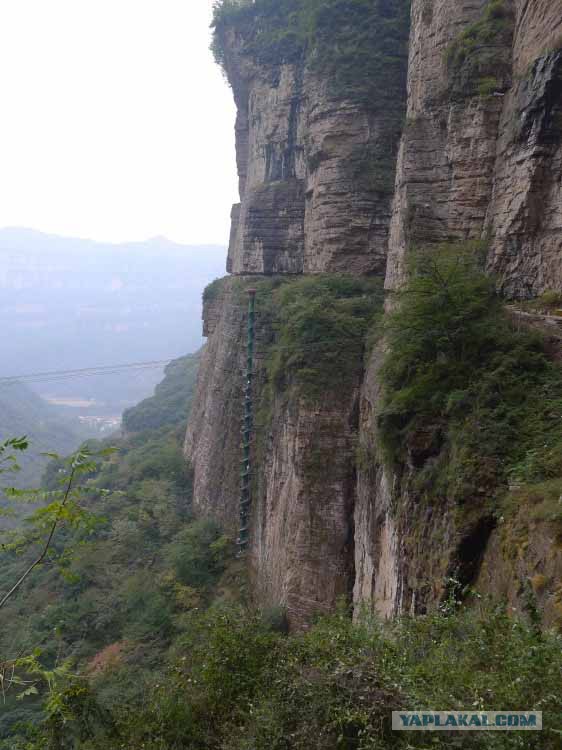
x,y
72,303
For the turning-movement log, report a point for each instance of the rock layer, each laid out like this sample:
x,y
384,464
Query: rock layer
x,y
478,166
316,169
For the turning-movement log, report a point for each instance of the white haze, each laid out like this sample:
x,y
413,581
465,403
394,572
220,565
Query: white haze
x,y
116,124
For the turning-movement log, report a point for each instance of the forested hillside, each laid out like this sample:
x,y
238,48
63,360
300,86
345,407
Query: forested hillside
x,y
93,594
48,428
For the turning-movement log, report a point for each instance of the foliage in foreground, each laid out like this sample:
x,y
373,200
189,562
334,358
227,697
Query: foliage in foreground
x,y
233,683
125,565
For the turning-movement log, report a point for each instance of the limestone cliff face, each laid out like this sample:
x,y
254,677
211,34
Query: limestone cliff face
x,y
303,459
302,556
316,168
213,435
525,213
469,147
480,156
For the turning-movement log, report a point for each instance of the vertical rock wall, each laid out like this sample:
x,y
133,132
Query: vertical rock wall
x,y
213,441
316,169
303,460
470,166
479,157
484,162
302,553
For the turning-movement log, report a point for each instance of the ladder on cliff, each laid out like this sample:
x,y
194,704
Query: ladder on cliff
x,y
247,429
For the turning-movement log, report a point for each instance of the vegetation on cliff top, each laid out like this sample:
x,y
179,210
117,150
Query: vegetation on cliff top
x,y
358,46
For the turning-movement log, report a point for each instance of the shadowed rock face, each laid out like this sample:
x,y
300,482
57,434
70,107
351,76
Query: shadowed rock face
x,y
468,148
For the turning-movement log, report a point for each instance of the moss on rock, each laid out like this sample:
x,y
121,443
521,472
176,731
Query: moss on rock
x,y
479,60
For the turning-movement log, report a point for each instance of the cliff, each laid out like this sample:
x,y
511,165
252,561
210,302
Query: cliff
x,y
366,130
480,154
478,160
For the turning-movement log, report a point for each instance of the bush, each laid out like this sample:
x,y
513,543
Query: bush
x,y
457,370
321,325
148,612
238,685
199,554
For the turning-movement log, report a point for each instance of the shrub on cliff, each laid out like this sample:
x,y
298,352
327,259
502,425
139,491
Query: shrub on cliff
x,y
358,46
458,366
321,328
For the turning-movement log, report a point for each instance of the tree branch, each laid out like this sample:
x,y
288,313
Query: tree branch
x,y
43,554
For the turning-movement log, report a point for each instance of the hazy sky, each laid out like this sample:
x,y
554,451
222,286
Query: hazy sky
x,y
115,123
